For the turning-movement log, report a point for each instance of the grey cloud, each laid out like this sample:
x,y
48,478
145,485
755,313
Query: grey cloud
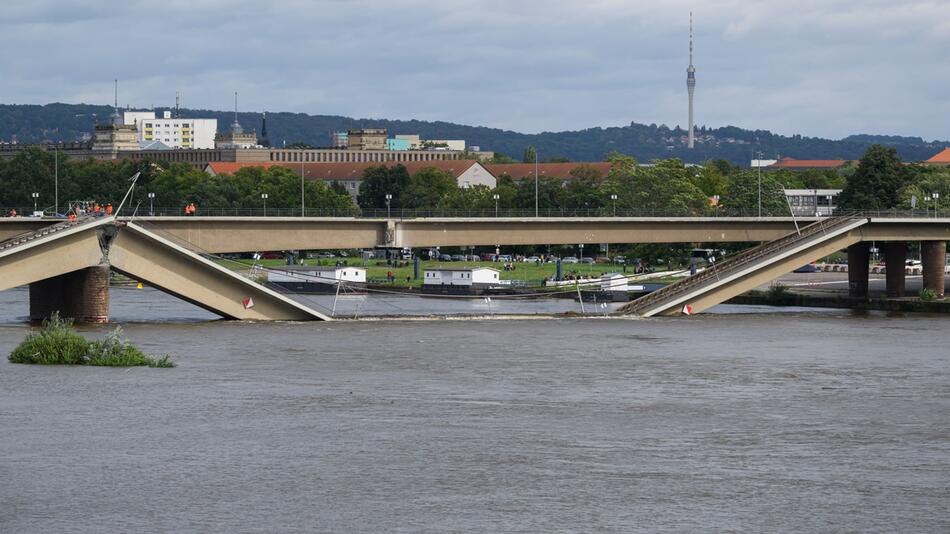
x,y
828,68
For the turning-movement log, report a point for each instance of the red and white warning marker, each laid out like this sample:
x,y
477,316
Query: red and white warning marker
x,y
687,310
248,303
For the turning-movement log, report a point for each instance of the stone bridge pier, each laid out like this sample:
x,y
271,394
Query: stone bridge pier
x,y
933,259
82,295
859,256
895,257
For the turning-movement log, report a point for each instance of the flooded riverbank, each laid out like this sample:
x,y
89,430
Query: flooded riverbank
x,y
802,421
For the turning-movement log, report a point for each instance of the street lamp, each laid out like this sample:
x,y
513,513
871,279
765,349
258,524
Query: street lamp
x,y
496,196
303,210
758,168
264,197
35,196
581,246
389,199
151,203
56,180
536,182
613,197
936,197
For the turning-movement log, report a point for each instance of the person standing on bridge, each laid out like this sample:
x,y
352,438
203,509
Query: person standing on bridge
x,y
108,209
12,212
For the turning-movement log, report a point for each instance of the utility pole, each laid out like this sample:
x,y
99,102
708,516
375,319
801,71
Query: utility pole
x,y
535,182
758,168
56,180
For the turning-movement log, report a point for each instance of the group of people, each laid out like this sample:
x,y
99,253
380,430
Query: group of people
x,y
191,209
80,209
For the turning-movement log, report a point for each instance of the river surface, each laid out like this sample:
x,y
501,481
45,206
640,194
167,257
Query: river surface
x,y
802,421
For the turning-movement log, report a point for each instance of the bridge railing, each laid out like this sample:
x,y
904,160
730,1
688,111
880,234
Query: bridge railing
x,y
737,262
383,213
394,213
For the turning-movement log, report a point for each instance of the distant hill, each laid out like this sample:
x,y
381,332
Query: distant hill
x,y
69,122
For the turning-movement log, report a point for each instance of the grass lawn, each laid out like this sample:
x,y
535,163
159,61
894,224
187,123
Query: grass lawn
x,y
528,273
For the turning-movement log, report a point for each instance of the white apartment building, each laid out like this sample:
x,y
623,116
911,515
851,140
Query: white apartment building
x,y
173,132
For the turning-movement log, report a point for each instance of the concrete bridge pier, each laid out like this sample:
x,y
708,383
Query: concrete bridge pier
x,y
933,259
82,295
859,256
895,257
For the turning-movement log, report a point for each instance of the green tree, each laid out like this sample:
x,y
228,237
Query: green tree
x,y
477,197
925,182
427,187
742,195
876,182
380,181
529,155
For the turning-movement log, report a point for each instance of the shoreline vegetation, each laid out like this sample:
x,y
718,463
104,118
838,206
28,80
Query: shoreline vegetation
x,y
58,343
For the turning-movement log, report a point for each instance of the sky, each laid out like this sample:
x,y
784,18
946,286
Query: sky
x,y
825,68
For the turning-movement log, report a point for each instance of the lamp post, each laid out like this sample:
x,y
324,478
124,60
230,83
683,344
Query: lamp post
x,y
56,180
496,197
151,203
536,182
613,197
758,168
303,210
581,247
35,196
264,198
936,197
389,199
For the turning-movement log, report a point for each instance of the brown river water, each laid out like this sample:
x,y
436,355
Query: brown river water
x,y
747,420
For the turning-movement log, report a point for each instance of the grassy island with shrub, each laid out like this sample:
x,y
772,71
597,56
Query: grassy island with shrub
x,y
58,343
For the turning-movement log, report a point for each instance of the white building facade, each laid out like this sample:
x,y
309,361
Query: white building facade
x,y
462,276
173,132
315,274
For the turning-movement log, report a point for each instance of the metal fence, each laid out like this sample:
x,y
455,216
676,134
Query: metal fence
x,y
383,213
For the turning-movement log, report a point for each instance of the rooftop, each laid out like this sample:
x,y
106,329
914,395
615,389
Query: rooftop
x,y
346,171
462,269
792,163
523,171
941,158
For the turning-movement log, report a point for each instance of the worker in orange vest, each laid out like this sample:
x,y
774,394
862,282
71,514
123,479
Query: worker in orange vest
x,y
71,217
187,209
95,209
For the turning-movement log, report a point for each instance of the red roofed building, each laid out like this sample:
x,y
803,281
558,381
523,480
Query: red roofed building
x,y
807,164
467,172
561,171
941,158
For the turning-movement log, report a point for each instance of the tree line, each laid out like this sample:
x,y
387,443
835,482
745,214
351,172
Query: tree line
x,y
879,181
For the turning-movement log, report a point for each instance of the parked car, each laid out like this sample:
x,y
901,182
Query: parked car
x,y
569,259
587,260
490,256
620,260
807,268
504,257
551,259
458,257
532,259
445,257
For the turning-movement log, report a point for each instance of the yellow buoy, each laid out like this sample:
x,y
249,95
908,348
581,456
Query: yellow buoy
x,y
138,286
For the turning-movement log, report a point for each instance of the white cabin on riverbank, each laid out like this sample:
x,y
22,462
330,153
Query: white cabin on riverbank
x,y
462,276
317,274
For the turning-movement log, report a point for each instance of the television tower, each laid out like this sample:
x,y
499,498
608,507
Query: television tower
x,y
690,81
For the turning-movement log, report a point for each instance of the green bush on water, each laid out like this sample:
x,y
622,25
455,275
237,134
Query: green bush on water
x,y
59,344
